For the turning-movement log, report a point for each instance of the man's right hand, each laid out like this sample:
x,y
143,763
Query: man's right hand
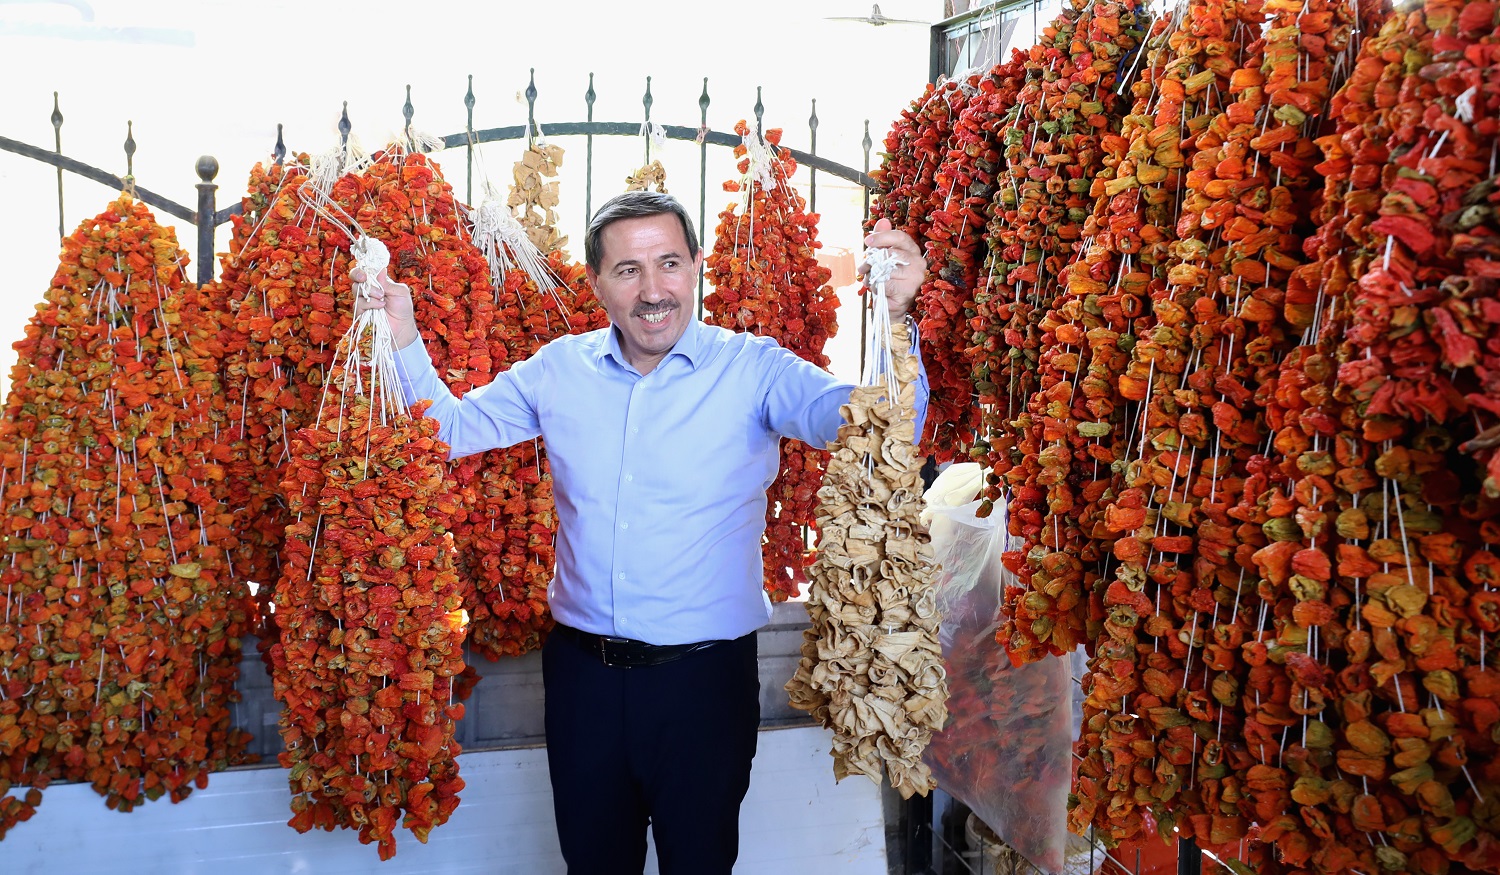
x,y
392,297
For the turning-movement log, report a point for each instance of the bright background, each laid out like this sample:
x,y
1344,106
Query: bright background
x,y
215,77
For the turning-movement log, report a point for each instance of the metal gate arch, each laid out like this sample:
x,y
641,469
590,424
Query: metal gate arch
x,y
206,216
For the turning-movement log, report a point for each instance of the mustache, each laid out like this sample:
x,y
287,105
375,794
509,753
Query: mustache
x,y
653,309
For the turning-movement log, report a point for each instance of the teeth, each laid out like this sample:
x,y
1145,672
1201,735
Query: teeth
x,y
654,318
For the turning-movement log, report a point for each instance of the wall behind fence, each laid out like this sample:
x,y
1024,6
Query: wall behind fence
x,y
215,77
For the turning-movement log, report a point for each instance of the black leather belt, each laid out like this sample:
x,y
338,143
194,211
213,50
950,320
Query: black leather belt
x,y
628,652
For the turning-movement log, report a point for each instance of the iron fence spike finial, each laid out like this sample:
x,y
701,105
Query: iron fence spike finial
x,y
703,100
812,172
278,151
469,141
760,112
129,149
344,126
407,111
588,176
57,120
531,110
207,167
646,102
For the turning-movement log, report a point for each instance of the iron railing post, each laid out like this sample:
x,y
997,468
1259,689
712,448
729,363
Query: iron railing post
x,y
588,171
208,168
812,180
702,182
469,143
57,120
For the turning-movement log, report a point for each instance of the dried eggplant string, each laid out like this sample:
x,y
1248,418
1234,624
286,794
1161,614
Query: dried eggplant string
x,y
871,666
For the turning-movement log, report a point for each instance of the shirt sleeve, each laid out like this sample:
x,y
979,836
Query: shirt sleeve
x,y
802,400
500,414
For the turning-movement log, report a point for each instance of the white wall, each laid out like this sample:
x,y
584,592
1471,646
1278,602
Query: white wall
x,y
795,821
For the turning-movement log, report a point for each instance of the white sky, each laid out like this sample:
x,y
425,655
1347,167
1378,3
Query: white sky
x,y
215,77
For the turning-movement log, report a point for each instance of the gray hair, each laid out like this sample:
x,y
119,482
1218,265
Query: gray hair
x,y
635,205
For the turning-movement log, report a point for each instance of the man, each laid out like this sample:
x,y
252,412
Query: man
x,y
663,434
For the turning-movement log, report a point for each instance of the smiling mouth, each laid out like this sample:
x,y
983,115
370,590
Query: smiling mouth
x,y
656,318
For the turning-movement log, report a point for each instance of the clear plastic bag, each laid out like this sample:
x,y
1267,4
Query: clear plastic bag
x,y
1006,750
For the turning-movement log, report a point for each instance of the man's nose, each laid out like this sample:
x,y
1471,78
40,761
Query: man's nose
x,y
651,286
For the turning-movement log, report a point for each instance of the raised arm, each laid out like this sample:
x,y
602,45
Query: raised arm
x,y
500,414
801,400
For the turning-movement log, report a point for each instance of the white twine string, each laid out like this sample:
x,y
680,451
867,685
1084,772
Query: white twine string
x,y
881,264
372,257
762,163
656,137
328,166
502,238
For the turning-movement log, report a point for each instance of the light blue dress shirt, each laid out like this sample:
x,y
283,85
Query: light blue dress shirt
x,y
660,479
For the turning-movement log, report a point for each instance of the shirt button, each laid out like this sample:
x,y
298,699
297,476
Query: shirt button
x,y
629,477
622,575
635,430
624,525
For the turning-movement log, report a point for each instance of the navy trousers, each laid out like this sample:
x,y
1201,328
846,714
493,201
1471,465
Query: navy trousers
x,y
667,746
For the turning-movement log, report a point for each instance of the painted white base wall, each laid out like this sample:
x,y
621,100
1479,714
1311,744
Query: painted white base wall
x,y
795,821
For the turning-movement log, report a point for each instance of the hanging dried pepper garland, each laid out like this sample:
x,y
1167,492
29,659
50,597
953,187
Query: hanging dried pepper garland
x,y
910,197
513,510
871,665
1062,456
250,479
369,605
767,281
1134,756
119,646
955,246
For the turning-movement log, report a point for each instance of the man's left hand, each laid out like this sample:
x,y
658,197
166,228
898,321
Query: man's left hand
x,y
901,290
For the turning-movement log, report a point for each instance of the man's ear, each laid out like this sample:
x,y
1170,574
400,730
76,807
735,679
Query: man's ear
x,y
593,276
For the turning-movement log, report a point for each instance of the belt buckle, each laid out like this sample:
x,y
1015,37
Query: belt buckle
x,y
604,643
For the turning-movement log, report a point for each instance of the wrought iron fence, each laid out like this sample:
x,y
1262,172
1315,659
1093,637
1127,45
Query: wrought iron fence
x,y
206,217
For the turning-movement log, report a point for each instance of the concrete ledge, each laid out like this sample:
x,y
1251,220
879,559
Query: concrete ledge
x,y
505,710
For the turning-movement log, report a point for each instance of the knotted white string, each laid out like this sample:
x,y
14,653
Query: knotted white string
x,y
372,257
656,137
880,264
502,238
762,163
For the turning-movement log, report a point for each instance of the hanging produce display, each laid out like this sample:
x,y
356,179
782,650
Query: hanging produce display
x,y
871,667
369,606
651,176
120,642
1058,457
967,180
534,200
509,545
767,281
506,542
915,150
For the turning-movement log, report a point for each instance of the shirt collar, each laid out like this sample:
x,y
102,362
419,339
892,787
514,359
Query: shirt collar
x,y
690,345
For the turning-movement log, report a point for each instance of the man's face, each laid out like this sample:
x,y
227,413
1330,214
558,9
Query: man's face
x,y
646,283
